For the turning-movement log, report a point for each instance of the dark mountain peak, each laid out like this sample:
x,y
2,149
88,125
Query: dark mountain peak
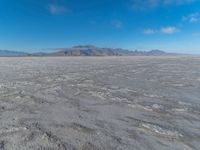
x,y
85,47
156,52
90,50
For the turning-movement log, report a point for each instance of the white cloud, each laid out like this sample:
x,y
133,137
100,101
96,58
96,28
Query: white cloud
x,y
192,18
57,9
169,30
196,34
149,31
117,24
144,4
177,2
163,30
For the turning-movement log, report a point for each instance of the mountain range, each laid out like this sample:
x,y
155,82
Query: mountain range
x,y
7,53
86,50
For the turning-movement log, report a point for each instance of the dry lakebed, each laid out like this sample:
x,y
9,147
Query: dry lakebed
x,y
100,103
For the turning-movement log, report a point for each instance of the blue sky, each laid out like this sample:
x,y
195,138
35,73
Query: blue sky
x,y
35,25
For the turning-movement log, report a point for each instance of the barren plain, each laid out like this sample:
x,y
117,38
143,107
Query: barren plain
x,y
100,103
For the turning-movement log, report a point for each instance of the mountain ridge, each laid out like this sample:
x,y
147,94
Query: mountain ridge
x,y
86,50
90,50
8,53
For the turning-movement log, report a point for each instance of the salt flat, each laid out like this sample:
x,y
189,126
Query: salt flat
x,y
100,103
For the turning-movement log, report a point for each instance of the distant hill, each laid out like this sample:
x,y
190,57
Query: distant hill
x,y
7,53
86,50
90,50
156,52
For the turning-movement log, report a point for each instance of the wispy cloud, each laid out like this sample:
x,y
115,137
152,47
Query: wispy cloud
x,y
149,31
117,24
177,2
163,30
57,9
144,4
192,18
196,34
169,30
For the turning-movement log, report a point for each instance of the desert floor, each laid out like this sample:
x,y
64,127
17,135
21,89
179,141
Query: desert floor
x,y
100,103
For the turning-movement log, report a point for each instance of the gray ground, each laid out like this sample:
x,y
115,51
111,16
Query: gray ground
x,y
111,103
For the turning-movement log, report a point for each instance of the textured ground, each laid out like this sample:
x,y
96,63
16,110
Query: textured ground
x,y
121,103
